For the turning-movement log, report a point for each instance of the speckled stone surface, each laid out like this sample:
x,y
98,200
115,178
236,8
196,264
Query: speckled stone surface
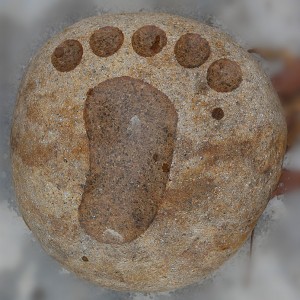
x,y
225,164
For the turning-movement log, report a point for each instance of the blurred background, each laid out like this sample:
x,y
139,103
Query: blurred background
x,y
28,273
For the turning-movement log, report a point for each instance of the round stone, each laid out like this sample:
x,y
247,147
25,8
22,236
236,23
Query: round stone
x,y
133,172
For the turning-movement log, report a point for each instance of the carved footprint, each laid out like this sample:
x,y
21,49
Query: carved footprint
x,y
131,127
131,147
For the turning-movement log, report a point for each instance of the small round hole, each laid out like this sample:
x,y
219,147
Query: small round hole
x,y
84,258
217,113
165,168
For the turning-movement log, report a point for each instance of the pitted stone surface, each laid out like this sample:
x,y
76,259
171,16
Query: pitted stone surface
x,y
205,145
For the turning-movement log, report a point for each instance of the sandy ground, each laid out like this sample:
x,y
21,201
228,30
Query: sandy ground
x,y
28,273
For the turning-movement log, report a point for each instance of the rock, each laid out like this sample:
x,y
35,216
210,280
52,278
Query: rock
x,y
144,149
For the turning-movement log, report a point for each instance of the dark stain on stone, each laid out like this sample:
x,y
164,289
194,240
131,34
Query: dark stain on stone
x,y
67,56
224,75
217,113
127,120
148,40
106,41
90,92
31,151
191,50
166,168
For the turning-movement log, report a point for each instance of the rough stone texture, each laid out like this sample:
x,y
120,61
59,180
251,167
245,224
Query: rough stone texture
x,y
191,50
219,181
